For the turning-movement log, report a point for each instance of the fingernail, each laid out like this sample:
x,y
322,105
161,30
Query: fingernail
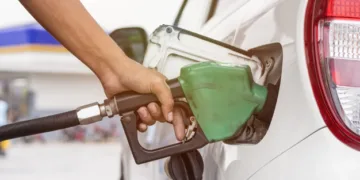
x,y
170,117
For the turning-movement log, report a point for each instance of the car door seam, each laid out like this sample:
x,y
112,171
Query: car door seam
x,y
267,163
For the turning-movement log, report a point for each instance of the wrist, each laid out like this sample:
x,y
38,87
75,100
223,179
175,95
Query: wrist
x,y
113,59
112,67
101,71
105,61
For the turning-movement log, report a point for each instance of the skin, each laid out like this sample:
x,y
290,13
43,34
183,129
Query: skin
x,y
70,23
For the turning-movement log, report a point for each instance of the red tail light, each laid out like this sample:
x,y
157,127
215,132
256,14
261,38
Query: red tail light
x,y
332,44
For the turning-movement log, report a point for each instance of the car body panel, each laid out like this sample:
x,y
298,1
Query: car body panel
x,y
289,125
194,17
319,156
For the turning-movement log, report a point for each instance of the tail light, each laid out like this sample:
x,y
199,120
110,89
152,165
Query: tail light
x,y
332,44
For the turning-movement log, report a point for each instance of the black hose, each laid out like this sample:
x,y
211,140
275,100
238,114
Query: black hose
x,y
39,125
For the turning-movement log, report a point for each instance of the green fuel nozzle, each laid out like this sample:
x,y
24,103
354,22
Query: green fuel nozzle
x,y
220,97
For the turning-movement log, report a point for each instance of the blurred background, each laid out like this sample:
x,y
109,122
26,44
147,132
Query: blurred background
x,y
42,79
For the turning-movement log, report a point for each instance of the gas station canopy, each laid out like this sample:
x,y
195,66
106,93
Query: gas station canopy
x,y
30,48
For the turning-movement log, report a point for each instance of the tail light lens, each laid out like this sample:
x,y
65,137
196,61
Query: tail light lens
x,y
332,44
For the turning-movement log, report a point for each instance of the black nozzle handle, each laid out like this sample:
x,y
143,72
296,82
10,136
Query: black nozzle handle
x,y
40,125
126,105
130,101
142,155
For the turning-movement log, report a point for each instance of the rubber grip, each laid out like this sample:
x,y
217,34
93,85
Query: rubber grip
x,y
39,125
130,101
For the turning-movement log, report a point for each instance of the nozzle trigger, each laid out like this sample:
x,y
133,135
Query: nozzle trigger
x,y
142,155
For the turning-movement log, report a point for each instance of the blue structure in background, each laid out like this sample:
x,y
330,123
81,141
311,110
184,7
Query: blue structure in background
x,y
29,34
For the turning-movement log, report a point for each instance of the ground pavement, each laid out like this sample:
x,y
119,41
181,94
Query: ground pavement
x,y
62,162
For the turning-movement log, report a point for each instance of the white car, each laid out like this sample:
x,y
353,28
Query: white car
x,y
314,125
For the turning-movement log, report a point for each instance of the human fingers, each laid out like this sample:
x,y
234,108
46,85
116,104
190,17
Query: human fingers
x,y
178,123
155,112
145,116
142,127
163,93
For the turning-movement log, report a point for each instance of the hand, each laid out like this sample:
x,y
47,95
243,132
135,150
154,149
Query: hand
x,y
142,80
152,112
73,26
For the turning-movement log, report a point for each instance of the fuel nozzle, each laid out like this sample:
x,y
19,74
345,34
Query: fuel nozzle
x,y
221,98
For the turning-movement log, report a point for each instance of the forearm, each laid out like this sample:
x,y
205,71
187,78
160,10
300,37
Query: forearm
x,y
73,26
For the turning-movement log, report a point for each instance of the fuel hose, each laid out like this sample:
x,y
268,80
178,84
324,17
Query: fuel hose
x,y
81,116
39,125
